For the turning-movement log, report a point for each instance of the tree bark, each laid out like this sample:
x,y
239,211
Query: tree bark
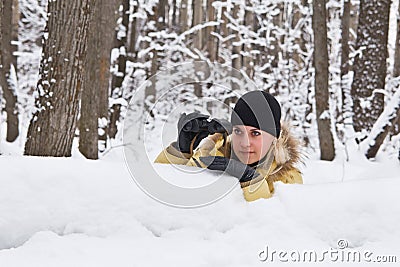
x,y
8,72
14,33
236,48
388,118
197,19
211,40
119,76
94,103
247,58
183,16
396,68
370,68
52,128
344,68
321,80
133,32
223,29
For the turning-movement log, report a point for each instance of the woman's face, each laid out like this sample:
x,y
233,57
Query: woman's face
x,y
250,144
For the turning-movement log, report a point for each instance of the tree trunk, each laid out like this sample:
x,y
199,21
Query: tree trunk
x,y
211,40
94,103
52,128
133,32
388,118
247,58
108,22
223,29
321,80
236,48
197,19
297,22
370,68
9,80
119,76
396,68
174,20
344,68
150,90
183,16
14,33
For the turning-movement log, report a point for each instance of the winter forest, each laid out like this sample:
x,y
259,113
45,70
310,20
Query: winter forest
x,y
89,85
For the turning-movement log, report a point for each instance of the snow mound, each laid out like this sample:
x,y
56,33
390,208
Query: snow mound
x,y
77,212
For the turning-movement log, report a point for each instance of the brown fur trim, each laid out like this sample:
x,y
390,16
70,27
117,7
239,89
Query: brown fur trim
x,y
287,148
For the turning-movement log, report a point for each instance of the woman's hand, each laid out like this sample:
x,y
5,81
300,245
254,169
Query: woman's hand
x,y
189,126
231,166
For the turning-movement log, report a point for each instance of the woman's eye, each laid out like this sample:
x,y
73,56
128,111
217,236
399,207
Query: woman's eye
x,y
255,133
237,131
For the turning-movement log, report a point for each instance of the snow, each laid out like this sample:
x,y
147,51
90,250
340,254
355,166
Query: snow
x,y
78,212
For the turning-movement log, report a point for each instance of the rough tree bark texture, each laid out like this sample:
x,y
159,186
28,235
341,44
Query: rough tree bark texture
x,y
52,128
94,103
321,80
8,64
108,20
370,68
88,121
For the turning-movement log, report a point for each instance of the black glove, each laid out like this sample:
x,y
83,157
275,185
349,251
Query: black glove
x,y
219,126
189,126
231,166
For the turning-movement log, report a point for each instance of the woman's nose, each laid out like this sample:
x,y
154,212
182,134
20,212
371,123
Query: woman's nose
x,y
245,142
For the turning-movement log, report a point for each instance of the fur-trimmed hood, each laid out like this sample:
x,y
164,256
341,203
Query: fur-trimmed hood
x,y
287,148
284,154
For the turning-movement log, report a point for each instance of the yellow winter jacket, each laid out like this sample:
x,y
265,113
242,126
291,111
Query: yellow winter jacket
x,y
279,164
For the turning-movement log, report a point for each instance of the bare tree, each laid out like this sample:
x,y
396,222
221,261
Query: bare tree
x,y
223,30
247,58
183,16
370,64
321,80
94,103
52,127
396,68
8,71
236,46
211,40
197,19
119,75
344,68
385,122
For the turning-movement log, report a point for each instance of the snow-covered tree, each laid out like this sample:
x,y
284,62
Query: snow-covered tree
x,y
52,127
370,63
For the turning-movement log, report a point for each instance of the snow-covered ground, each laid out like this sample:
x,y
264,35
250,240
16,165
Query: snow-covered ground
x,y
77,212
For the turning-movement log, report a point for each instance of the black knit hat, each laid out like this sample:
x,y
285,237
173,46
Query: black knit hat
x,y
260,110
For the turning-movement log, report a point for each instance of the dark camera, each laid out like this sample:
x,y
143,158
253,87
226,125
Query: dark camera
x,y
203,125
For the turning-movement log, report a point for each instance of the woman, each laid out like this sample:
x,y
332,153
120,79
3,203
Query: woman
x,y
259,151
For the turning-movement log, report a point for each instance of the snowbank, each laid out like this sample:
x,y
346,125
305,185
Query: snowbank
x,y
76,212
